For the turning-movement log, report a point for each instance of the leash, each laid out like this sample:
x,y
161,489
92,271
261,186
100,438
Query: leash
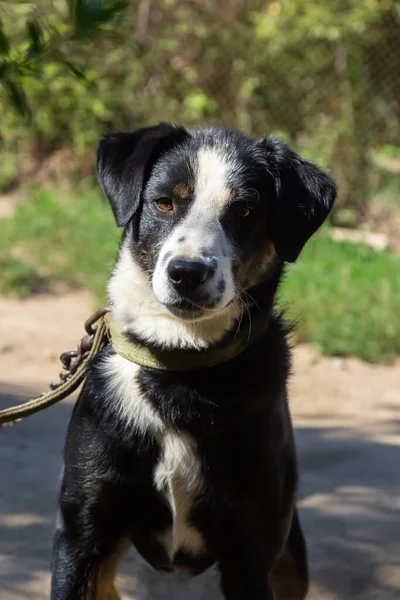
x,y
74,363
107,331
165,359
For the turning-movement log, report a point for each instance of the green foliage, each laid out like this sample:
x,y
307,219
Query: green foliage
x,y
18,279
345,297
41,40
324,75
73,239
327,74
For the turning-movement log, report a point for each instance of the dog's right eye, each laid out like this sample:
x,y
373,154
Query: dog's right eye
x,y
165,204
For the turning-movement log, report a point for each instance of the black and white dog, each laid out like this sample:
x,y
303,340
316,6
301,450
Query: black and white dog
x,y
194,467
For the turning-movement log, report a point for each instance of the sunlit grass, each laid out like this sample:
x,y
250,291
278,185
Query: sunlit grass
x,y
346,298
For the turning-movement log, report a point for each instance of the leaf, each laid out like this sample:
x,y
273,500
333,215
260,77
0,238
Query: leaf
x,y
35,36
74,69
90,14
4,67
17,97
4,40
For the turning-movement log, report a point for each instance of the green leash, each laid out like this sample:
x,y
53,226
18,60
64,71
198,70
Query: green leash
x,y
71,380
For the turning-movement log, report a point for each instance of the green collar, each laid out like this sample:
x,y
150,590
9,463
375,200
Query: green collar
x,y
174,360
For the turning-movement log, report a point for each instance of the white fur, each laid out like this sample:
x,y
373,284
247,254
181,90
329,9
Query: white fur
x,y
126,398
215,168
178,477
204,239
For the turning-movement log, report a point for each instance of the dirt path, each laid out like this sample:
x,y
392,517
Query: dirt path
x,y
347,419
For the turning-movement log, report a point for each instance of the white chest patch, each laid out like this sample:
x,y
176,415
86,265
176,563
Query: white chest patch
x,y
124,392
177,475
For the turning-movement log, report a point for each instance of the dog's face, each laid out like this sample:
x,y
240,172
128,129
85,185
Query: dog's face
x,y
203,228
207,211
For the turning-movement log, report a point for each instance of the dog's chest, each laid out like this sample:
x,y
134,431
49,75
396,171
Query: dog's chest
x,y
178,478
177,474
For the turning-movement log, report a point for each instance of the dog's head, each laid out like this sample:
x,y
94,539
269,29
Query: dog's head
x,y
207,211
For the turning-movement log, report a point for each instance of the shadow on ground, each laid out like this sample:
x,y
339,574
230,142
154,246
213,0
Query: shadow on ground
x,y
350,501
349,495
30,459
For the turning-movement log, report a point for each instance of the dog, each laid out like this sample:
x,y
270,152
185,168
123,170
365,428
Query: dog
x,y
193,464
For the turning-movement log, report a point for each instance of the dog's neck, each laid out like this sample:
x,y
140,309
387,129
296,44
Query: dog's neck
x,y
136,310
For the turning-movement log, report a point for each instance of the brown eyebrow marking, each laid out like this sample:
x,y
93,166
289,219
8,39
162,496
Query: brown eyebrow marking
x,y
233,194
181,190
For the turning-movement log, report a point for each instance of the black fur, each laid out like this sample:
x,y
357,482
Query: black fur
x,y
237,413
122,163
304,197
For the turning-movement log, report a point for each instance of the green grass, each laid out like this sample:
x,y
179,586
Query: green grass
x,y
18,279
70,238
344,297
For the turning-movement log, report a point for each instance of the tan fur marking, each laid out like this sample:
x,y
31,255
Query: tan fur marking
x,y
187,251
103,587
233,194
181,190
259,266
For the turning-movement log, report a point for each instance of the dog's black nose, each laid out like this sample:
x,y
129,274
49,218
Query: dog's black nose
x,y
187,275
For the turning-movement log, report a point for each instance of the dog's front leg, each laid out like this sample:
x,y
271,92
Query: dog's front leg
x,y
245,572
79,570
248,544
71,566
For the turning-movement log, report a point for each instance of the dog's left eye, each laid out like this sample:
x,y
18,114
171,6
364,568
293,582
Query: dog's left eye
x,y
165,204
243,211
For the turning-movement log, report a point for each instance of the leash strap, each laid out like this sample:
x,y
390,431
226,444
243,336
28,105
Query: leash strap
x,y
75,362
70,383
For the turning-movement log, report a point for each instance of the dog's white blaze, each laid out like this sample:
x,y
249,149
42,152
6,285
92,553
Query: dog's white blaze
x,y
125,395
201,235
136,309
178,477
213,173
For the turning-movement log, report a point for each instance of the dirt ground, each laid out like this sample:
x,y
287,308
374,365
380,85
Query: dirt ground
x,y
347,421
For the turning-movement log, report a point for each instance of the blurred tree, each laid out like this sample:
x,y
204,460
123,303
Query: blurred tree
x,y
324,75
40,49
48,39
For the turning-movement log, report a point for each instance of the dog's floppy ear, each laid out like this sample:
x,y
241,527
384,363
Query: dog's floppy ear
x,y
304,197
124,161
